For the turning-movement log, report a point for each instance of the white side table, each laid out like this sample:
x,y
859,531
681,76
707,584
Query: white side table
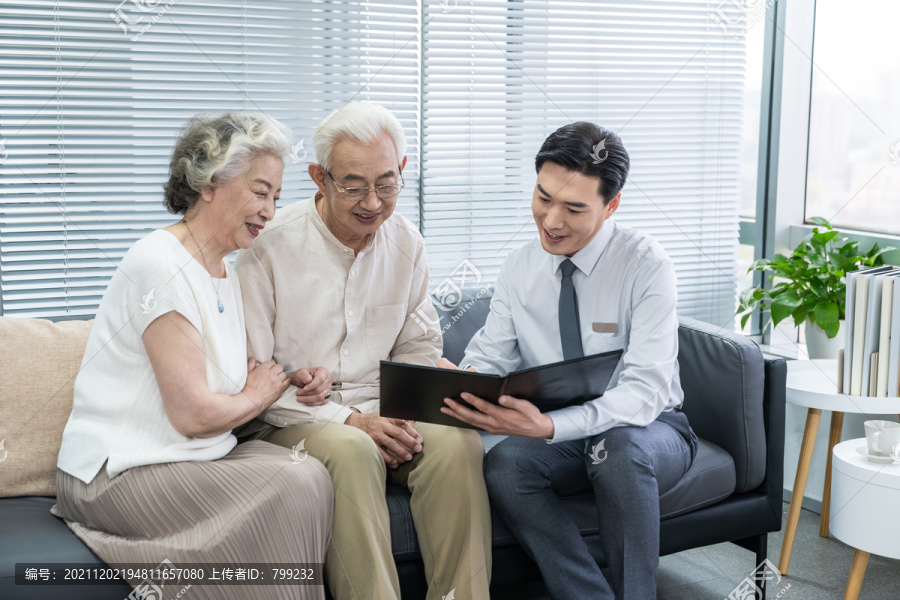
x,y
813,384
865,498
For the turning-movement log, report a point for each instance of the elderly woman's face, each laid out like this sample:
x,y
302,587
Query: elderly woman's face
x,y
357,165
247,202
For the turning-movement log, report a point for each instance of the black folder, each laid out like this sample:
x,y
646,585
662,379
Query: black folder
x,y
417,393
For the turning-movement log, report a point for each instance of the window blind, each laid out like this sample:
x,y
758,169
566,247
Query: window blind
x,y
93,93
499,76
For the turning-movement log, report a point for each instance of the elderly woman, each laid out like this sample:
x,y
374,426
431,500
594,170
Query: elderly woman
x,y
149,469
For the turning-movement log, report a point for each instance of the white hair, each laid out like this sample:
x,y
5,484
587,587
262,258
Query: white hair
x,y
360,122
212,149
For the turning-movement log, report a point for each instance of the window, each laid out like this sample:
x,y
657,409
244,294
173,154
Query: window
x,y
853,175
750,139
499,76
94,93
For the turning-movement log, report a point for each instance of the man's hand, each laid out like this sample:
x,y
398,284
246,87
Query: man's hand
x,y
396,439
443,363
514,416
314,385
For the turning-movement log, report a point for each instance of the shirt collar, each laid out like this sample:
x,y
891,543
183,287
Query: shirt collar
x,y
326,233
588,257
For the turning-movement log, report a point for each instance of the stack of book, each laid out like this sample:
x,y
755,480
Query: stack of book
x,y
871,358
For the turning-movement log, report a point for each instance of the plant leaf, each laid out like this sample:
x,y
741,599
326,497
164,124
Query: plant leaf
x,y
783,305
827,316
820,221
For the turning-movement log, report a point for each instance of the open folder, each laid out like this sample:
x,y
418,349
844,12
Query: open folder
x,y
417,393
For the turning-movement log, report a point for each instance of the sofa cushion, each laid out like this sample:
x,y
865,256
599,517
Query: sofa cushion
x,y
710,479
460,321
722,375
30,534
39,362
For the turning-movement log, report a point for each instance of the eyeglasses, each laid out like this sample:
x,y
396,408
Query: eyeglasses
x,y
384,192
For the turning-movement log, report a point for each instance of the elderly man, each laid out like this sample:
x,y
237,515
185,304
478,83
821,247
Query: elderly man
x,y
330,282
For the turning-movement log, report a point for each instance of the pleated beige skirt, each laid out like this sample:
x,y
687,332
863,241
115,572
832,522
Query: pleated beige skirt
x,y
252,506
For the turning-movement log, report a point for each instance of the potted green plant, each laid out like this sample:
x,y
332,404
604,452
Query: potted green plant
x,y
810,285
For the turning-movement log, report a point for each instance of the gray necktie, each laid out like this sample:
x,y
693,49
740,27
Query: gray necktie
x,y
569,324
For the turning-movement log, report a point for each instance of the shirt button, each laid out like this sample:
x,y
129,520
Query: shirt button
x,y
346,352
349,313
352,273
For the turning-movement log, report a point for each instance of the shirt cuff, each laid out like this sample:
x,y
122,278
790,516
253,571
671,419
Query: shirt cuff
x,y
568,424
481,366
332,413
369,406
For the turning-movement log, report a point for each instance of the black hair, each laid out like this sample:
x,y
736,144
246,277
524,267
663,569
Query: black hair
x,y
589,149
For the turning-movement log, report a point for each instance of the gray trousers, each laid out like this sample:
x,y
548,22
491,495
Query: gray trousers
x,y
627,468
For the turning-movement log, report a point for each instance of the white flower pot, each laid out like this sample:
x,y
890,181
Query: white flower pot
x,y
818,345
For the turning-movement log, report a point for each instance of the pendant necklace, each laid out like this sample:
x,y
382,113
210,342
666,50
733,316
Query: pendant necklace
x,y
206,264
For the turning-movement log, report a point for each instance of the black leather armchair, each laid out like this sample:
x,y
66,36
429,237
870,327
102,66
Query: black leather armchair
x,y
733,492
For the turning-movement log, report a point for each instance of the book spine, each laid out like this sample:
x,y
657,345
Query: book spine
x,y
859,333
894,364
848,330
884,337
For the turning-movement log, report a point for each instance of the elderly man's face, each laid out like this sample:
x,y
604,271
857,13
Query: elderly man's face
x,y
356,165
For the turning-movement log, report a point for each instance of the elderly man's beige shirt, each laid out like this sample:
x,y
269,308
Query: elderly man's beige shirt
x,y
309,302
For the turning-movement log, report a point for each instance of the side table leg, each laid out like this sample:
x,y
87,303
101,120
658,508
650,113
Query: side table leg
x,y
857,572
834,438
813,415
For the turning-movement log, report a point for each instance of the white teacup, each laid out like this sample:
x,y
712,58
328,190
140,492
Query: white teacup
x,y
882,438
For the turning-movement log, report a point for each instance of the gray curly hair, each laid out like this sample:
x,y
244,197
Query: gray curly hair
x,y
215,148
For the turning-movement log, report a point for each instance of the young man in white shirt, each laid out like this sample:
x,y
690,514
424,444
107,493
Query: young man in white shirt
x,y
588,285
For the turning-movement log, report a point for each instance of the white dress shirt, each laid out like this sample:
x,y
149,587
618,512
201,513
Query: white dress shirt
x,y
309,302
624,282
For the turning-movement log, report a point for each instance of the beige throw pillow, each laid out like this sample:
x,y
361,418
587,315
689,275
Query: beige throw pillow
x,y
38,364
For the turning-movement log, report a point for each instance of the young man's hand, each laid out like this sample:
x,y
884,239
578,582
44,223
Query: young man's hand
x,y
514,416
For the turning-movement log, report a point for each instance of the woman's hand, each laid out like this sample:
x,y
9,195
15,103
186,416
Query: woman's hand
x,y
314,385
265,382
175,349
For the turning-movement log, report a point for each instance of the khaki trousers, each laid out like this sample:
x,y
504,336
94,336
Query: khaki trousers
x,y
449,507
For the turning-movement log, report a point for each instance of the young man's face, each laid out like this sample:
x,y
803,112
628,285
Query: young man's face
x,y
568,209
